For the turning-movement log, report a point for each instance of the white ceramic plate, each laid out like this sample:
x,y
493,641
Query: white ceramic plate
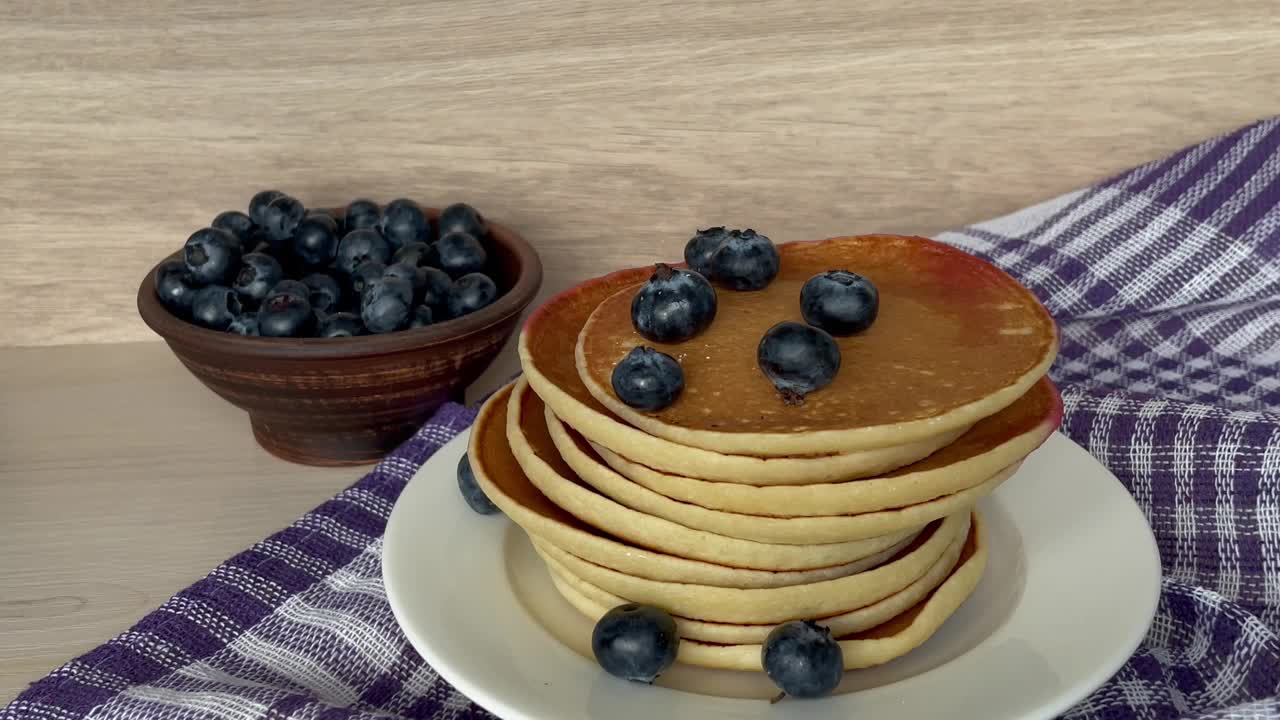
x,y
1070,589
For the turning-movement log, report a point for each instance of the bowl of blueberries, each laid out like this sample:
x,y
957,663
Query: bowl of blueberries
x,y
340,331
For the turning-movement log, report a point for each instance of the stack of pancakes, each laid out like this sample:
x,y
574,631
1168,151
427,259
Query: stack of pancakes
x,y
736,511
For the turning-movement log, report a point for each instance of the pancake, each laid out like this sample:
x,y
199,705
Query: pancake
x,y
993,443
868,648
773,605
534,450
956,340
594,602
545,347
505,483
802,531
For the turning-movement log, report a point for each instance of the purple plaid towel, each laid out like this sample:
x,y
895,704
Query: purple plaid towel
x,y
1166,283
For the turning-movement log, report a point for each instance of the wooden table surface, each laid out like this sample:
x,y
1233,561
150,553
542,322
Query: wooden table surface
x,y
123,480
605,130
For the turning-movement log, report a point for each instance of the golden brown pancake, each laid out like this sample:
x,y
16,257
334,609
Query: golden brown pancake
x,y
993,443
546,355
531,443
956,340
867,648
504,482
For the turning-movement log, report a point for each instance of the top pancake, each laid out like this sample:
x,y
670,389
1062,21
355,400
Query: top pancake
x,y
956,340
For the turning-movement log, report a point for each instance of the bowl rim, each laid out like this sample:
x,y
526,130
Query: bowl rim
x,y
173,329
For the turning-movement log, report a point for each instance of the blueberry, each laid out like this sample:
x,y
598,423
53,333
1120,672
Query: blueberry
x,y
386,305
746,260
281,218
700,248
404,222
326,294
416,254
315,241
414,275
459,254
212,256
435,289
258,274
369,272
286,315
422,317
361,215
840,302
245,324
471,492
215,307
647,379
176,287
635,642
359,246
340,324
802,659
292,288
469,293
798,359
461,217
325,216
674,305
236,223
258,205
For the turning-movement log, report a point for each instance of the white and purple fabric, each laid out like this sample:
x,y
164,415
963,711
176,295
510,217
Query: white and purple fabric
x,y
1166,283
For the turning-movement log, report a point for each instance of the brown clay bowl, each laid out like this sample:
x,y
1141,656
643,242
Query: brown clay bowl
x,y
349,401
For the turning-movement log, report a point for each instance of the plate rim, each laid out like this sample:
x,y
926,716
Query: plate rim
x,y
494,701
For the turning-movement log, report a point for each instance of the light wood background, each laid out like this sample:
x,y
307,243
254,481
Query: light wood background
x,y
606,131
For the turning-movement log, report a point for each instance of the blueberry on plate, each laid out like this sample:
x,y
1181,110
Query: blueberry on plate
x,y
245,324
459,253
435,289
700,248
802,659
840,302
258,205
471,492
215,307
212,256
674,305
281,218
360,246
416,254
175,286
386,305
647,379
361,215
746,260
403,222
325,293
259,273
365,275
461,217
236,223
798,359
422,317
340,324
292,288
286,315
470,293
635,642
315,241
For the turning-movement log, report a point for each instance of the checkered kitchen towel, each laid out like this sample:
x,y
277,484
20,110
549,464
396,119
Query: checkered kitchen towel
x,y
1166,283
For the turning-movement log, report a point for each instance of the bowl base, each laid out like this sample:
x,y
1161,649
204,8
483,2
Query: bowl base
x,y
309,445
